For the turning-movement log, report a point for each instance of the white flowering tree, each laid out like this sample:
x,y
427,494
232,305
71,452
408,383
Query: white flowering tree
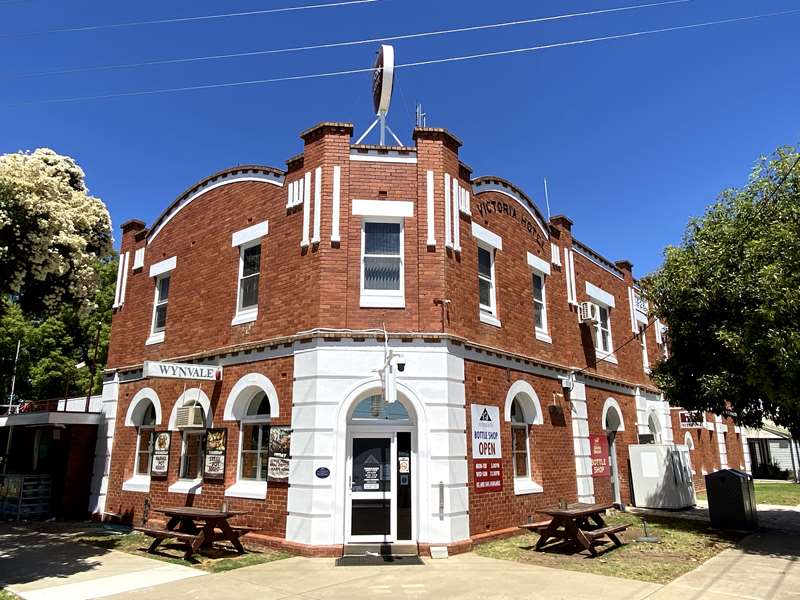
x,y
52,232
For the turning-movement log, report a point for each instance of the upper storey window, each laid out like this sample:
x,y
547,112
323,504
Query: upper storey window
x,y
604,345
162,272
486,284
603,342
541,269
248,241
382,263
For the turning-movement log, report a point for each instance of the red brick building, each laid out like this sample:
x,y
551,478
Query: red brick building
x,y
308,291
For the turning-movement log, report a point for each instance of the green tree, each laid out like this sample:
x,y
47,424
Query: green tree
x,y
51,232
730,294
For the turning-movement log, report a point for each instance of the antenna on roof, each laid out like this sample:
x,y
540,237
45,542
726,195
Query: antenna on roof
x,y
382,84
421,116
546,199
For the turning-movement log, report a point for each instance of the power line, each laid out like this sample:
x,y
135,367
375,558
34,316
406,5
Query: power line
x,y
248,13
421,63
348,43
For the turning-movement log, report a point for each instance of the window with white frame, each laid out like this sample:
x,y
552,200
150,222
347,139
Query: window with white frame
x,y
539,303
643,341
193,452
486,285
254,453
603,341
520,448
382,282
160,303
249,274
145,437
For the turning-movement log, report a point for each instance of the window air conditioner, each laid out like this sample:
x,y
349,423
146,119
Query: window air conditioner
x,y
589,312
189,416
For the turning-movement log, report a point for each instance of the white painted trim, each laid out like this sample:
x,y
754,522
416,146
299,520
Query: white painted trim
x,y
383,298
118,287
600,295
608,357
632,310
609,404
523,486
245,316
262,177
555,254
382,302
159,268
490,320
537,263
242,393
383,208
155,338
384,158
187,486
191,395
126,263
144,395
543,337
448,226
249,234
253,490
529,402
138,258
315,238
569,266
337,191
306,190
429,208
137,483
456,217
487,237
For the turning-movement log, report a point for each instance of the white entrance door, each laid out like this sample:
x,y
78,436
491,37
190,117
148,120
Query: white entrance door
x,y
612,461
371,516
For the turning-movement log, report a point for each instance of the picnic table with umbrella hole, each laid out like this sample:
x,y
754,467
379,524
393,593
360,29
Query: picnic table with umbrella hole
x,y
580,523
197,527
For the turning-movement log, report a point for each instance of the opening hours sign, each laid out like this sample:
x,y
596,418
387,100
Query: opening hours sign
x,y
487,452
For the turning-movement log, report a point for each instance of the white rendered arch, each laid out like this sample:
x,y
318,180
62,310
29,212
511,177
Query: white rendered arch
x,y
419,417
138,405
529,401
189,397
612,404
688,440
653,417
243,392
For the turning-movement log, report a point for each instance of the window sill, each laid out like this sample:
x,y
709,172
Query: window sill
x,y
543,337
609,358
187,486
382,301
526,486
137,483
254,490
246,316
490,320
155,338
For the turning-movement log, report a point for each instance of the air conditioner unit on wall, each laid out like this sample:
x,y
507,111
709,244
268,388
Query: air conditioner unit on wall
x,y
589,312
189,416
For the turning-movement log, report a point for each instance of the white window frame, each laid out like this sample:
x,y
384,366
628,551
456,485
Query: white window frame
x,y
523,484
643,342
383,298
541,332
185,434
600,353
249,314
488,313
158,335
136,464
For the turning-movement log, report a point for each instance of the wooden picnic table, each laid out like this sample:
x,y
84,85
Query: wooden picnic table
x,y
197,527
579,522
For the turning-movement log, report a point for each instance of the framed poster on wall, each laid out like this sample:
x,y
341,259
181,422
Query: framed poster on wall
x,y
160,465
216,442
599,447
487,452
280,439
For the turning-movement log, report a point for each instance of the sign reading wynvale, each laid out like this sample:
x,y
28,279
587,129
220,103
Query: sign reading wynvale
x,y
154,368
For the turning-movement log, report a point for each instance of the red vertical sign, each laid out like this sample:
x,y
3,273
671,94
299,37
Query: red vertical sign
x,y
599,448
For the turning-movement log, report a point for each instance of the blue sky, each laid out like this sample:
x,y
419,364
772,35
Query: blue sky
x,y
634,135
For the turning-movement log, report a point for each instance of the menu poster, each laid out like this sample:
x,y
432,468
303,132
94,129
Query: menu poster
x,y
160,465
280,439
214,467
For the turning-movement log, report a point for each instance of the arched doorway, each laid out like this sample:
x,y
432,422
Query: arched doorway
x,y
380,469
613,424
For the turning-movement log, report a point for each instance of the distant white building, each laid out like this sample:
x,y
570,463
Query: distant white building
x,y
773,445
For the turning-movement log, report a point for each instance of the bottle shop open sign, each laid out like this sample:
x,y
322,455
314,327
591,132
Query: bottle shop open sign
x,y
487,453
599,448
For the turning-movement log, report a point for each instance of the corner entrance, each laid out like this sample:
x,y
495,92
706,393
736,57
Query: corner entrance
x,y
381,466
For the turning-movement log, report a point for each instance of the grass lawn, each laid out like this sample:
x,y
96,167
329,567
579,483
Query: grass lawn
x,y
6,595
787,494
214,560
684,545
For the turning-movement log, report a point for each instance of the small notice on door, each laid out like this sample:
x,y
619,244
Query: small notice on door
x,y
404,464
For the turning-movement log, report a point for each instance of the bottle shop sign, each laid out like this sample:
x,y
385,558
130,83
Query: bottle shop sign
x,y
599,447
487,452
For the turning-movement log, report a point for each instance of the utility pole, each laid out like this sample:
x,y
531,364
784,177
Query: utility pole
x,y
14,378
93,368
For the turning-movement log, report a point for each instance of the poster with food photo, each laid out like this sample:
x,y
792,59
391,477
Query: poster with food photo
x,y
280,439
214,467
160,465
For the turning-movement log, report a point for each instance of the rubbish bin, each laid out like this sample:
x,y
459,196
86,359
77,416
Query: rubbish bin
x,y
731,500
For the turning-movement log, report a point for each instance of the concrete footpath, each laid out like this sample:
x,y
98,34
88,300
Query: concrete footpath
x,y
45,566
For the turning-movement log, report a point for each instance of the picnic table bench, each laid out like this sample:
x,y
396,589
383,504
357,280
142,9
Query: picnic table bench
x,y
579,522
196,527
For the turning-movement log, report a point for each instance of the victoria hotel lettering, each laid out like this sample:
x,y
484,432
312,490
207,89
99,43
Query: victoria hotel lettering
x,y
340,317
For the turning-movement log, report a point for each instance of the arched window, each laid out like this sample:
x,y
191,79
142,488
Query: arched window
x,y
254,446
373,408
654,428
145,436
193,450
520,446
